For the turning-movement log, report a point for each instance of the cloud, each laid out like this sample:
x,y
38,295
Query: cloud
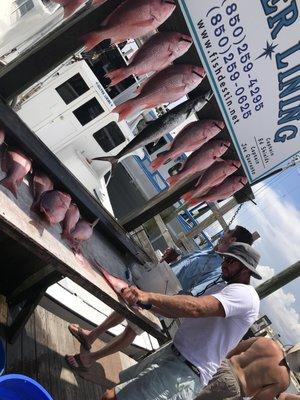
x,y
280,308
278,223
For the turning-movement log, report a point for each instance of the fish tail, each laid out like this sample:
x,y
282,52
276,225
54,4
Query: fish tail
x,y
91,39
10,185
127,108
160,160
117,75
111,159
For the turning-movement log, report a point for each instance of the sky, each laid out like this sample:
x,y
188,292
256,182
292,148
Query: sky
x,y
277,219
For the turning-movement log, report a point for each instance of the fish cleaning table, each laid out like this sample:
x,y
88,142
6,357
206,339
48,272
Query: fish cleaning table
x,y
33,255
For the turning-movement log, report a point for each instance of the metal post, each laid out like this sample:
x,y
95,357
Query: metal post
x,y
279,280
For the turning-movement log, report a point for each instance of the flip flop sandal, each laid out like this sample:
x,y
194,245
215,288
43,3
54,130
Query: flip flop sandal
x,y
79,336
80,367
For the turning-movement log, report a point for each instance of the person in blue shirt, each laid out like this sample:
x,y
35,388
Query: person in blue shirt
x,y
195,270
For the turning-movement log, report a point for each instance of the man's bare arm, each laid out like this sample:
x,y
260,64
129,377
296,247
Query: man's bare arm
x,y
241,347
178,306
186,306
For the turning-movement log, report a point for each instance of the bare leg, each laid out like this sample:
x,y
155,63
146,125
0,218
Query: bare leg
x,y
118,343
112,320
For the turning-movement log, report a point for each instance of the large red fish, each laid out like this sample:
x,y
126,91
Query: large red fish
x,y
212,177
154,55
53,206
230,186
118,285
16,165
200,160
71,218
40,183
190,138
166,86
82,232
130,20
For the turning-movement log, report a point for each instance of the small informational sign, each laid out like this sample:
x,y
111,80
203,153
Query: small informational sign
x,y
251,52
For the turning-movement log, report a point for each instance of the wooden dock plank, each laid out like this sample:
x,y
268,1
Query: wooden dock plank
x,y
42,351
29,349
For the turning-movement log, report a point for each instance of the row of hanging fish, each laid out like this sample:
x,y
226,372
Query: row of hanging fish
x,y
167,86
197,137
159,127
51,205
136,18
130,20
156,54
216,184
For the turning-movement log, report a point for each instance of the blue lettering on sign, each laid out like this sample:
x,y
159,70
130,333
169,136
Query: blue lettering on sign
x,y
286,17
288,82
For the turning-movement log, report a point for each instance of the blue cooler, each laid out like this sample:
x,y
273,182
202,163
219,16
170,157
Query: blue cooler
x,y
20,387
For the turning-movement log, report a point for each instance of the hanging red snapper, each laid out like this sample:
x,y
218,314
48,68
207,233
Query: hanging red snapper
x,y
200,160
83,231
53,206
230,186
130,20
212,177
190,138
71,218
166,86
16,165
154,55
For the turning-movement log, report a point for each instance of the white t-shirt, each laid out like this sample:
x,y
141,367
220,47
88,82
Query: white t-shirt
x,y
205,342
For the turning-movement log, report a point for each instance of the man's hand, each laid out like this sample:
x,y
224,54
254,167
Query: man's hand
x,y
132,295
170,255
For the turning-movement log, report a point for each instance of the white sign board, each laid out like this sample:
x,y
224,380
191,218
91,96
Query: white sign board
x,y
251,52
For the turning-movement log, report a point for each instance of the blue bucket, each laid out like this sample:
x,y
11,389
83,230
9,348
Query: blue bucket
x,y
20,387
2,358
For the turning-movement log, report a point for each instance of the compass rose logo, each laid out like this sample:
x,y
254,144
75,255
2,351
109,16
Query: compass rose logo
x,y
269,50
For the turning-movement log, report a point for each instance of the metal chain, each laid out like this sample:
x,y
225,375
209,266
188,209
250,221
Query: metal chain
x,y
235,214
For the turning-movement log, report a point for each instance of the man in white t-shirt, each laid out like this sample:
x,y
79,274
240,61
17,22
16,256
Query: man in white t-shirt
x,y
212,325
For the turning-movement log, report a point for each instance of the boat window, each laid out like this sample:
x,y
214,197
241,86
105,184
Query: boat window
x,y
109,137
88,111
72,88
19,9
153,147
